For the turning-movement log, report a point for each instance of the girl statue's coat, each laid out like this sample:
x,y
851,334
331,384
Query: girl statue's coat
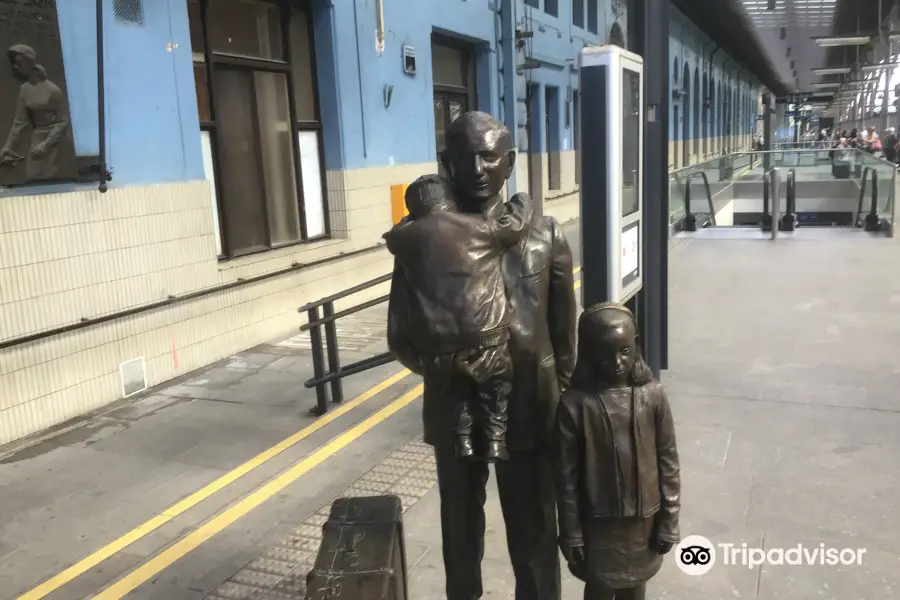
x,y
618,481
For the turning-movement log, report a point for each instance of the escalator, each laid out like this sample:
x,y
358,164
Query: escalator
x,y
802,189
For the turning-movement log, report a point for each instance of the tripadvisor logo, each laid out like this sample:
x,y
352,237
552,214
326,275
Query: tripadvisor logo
x,y
696,555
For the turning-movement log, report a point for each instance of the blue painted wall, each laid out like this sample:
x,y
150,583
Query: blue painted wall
x,y
353,76
152,126
152,130
733,93
370,134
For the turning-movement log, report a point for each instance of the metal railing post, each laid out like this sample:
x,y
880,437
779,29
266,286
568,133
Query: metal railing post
x,y
766,222
776,202
709,200
857,222
892,199
315,342
873,223
331,347
690,220
327,318
789,220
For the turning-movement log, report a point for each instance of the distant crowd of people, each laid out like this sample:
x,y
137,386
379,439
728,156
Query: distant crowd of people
x,y
865,139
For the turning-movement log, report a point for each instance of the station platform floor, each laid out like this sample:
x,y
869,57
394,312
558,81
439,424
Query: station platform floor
x,y
783,381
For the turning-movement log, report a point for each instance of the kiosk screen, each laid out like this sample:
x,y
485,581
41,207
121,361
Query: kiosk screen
x,y
631,131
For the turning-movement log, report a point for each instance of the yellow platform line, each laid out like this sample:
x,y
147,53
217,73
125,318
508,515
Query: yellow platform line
x,y
202,494
154,523
173,553
193,540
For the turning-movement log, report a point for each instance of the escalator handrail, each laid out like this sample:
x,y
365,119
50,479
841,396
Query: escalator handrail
x,y
873,208
687,196
862,195
791,207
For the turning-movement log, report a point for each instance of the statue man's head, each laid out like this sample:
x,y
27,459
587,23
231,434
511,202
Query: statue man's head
x,y
479,156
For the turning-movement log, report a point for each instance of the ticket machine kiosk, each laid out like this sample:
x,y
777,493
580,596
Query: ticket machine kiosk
x,y
611,141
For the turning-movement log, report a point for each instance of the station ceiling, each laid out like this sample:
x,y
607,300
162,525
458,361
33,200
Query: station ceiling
x,y
787,28
728,25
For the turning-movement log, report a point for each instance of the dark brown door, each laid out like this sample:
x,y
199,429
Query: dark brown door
x,y
453,78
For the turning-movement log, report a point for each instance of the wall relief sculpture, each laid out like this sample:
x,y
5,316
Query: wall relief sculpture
x,y
36,142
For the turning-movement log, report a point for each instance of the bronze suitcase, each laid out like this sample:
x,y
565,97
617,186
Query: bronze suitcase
x,y
362,556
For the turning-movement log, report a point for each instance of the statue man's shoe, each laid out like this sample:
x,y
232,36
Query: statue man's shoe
x,y
464,447
496,451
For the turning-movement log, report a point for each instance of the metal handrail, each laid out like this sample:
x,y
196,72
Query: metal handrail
x,y
348,292
788,222
872,221
766,219
690,220
862,195
776,200
892,200
315,323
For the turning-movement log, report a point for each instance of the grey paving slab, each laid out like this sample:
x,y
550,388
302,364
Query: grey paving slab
x,y
782,381
789,348
778,400
68,495
284,530
875,578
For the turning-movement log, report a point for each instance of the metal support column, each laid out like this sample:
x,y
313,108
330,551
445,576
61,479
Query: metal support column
x,y
648,35
775,182
768,130
508,59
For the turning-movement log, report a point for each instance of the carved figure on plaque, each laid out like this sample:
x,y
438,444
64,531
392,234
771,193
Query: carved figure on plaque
x,y
458,310
537,276
618,481
42,112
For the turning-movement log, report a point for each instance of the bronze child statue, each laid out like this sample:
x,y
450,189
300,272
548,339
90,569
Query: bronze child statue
x,y
458,309
618,481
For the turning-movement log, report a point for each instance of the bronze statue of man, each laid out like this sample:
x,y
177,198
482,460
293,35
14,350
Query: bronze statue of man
x,y
537,273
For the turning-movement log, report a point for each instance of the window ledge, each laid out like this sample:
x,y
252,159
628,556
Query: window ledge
x,y
560,195
299,252
47,188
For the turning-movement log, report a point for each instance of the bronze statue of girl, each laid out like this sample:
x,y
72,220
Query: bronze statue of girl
x,y
43,107
618,482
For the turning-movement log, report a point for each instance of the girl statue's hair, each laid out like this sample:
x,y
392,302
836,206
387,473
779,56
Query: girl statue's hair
x,y
583,377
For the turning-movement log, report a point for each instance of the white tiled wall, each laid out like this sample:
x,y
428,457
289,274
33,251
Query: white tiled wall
x,y
64,257
565,203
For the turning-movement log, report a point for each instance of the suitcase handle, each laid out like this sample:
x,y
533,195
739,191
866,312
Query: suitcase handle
x,y
352,547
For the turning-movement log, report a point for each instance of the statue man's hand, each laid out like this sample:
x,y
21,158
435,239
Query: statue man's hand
x,y
661,547
38,151
574,555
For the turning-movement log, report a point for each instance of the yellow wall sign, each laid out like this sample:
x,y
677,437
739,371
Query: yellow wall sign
x,y
398,202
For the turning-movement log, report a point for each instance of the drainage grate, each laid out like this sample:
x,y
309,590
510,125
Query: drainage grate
x,y
133,375
129,12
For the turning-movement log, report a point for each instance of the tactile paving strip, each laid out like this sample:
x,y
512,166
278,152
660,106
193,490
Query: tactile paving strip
x,y
280,574
354,332
677,246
